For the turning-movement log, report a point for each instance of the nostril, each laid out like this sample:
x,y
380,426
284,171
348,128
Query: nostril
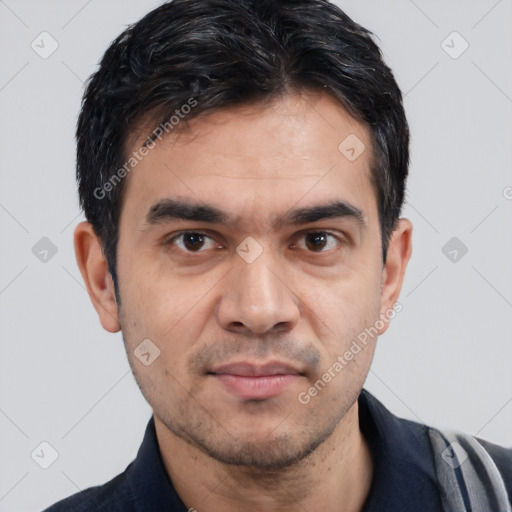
x,y
236,327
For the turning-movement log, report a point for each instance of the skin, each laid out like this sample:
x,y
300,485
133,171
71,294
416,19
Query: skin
x,y
301,302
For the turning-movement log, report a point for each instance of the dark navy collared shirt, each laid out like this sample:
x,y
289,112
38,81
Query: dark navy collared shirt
x,y
404,477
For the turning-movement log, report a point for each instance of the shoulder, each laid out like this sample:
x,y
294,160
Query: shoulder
x,y
472,471
112,496
144,486
502,457
463,470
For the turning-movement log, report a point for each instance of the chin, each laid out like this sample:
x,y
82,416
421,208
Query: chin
x,y
266,454
277,454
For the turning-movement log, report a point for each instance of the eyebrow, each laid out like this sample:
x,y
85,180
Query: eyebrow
x,y
168,210
335,209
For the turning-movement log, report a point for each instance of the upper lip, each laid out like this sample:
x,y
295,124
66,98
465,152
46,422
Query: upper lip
x,y
244,369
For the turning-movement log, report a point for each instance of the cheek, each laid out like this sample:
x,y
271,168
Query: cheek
x,y
344,305
151,297
147,307
169,311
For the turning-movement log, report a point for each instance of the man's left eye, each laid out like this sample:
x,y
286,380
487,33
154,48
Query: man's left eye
x,y
320,241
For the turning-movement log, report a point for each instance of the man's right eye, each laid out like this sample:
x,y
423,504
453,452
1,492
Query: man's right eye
x,y
191,241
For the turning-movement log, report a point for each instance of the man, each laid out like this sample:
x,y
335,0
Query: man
x,y
242,167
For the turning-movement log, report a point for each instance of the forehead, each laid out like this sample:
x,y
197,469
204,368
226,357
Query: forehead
x,y
257,159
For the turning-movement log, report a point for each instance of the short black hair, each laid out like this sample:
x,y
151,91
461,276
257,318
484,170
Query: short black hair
x,y
211,54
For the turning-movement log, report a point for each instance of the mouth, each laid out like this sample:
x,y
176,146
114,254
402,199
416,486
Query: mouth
x,y
256,382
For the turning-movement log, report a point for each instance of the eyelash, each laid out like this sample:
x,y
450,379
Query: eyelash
x,y
170,241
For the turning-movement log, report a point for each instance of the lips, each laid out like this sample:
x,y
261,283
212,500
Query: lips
x,y
252,370
256,382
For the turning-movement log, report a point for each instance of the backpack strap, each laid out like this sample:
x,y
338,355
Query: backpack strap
x,y
469,479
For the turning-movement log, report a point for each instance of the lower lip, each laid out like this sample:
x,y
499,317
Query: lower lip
x,y
257,388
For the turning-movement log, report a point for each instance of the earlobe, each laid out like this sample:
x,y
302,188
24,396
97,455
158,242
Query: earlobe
x,y
98,281
398,255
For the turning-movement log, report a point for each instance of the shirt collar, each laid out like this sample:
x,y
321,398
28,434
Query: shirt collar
x,y
403,478
404,475
149,482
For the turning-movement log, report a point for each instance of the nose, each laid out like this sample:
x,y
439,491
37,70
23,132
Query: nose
x,y
258,298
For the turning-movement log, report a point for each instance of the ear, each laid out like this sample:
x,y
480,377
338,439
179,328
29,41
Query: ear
x,y
398,255
94,269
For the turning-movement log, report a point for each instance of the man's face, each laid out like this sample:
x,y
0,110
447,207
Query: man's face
x,y
252,291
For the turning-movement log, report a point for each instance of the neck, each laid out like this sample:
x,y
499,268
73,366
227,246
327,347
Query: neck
x,y
335,477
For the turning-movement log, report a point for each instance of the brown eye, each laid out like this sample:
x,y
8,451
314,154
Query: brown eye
x,y
192,241
316,241
319,241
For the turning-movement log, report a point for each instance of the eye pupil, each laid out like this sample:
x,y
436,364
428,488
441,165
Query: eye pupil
x,y
316,241
193,241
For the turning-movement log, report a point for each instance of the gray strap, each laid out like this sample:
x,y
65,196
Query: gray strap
x,y
468,477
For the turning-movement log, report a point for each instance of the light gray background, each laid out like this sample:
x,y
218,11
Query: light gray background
x,y
446,359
